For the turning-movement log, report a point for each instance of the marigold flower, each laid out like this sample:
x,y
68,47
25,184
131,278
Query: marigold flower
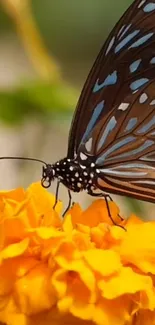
x,y
80,270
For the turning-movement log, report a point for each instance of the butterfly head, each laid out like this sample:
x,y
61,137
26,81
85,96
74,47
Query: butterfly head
x,y
48,175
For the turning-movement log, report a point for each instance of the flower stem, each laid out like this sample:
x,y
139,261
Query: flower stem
x,y
21,13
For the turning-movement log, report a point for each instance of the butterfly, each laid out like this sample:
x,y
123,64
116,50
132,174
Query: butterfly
x,y
111,145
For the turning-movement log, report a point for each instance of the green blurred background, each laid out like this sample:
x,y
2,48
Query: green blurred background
x,y
46,51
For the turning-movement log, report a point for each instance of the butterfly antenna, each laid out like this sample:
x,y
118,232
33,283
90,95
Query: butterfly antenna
x,y
23,158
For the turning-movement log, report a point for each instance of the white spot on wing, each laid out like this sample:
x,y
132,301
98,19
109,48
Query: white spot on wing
x,y
123,106
111,43
152,102
141,3
135,91
152,61
145,182
143,98
82,156
83,167
71,168
123,30
120,30
88,144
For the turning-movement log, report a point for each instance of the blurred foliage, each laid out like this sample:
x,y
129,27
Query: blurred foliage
x,y
40,100
81,25
50,95
71,30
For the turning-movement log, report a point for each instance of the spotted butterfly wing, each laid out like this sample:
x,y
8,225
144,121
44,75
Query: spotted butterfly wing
x,y
114,123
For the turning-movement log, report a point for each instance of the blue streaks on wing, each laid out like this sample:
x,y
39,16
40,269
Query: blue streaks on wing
x,y
123,173
141,40
149,7
110,126
129,153
96,113
138,83
133,165
116,146
152,60
126,40
147,126
110,80
134,66
132,122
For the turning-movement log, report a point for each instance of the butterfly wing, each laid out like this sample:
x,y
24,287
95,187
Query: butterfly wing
x,y
123,149
122,67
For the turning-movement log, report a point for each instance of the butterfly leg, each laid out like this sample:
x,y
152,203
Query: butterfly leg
x,y
56,195
106,197
69,203
56,198
110,198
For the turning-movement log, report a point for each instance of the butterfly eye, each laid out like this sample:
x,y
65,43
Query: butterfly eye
x,y
48,174
45,182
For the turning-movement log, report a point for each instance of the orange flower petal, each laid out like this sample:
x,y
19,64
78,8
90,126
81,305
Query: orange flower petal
x,y
81,310
76,214
16,195
144,317
59,282
125,282
42,296
110,312
43,200
47,233
78,270
98,213
14,250
138,246
67,224
105,262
